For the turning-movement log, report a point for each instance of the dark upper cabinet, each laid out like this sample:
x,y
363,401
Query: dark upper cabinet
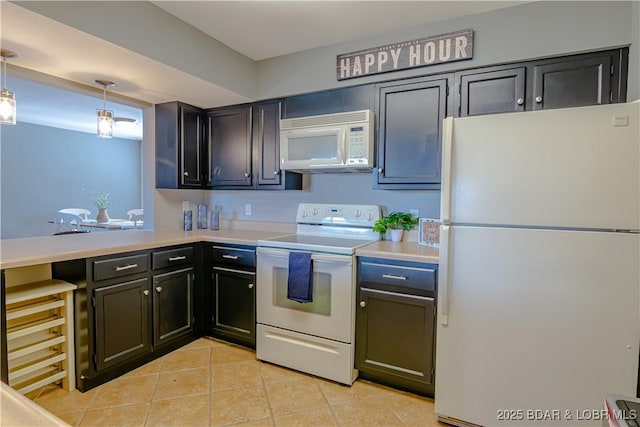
x,y
266,150
179,146
569,81
410,115
487,92
229,147
332,101
572,83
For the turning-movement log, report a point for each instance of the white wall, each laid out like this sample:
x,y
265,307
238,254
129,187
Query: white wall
x,y
45,169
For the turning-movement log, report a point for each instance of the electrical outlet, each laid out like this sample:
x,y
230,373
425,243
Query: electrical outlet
x,y
247,209
415,212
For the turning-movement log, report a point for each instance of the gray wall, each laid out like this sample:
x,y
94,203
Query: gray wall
x,y
45,169
523,32
528,31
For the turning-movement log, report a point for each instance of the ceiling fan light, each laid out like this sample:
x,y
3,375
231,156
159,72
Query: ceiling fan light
x,y
105,124
7,107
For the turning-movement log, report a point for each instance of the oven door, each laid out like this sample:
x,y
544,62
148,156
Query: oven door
x,y
330,315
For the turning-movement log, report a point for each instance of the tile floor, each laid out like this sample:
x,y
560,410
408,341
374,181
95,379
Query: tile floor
x,y
214,383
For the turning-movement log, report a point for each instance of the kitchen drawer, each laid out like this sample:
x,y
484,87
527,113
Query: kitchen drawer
x,y
172,257
234,256
414,278
117,267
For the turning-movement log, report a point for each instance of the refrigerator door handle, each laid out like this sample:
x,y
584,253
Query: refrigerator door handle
x,y
443,279
445,192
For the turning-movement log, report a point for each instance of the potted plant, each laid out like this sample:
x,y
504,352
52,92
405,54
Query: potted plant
x,y
101,201
397,223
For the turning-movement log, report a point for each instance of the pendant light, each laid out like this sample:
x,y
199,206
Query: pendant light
x,y
105,117
7,98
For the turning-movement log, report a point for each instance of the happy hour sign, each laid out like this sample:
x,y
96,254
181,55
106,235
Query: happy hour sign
x,y
449,47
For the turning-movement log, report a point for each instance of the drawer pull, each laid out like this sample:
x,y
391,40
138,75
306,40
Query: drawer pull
x,y
230,256
126,267
177,258
393,276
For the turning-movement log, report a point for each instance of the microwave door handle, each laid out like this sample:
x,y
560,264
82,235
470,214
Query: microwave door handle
x,y
344,146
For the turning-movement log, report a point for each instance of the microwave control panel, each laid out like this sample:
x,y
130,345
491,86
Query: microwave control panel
x,y
358,147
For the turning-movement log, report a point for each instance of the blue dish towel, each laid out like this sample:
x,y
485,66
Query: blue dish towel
x,y
300,282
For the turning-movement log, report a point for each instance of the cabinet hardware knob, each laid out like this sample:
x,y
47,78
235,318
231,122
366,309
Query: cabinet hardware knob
x,y
146,292
250,285
276,172
363,304
520,101
246,174
380,170
159,288
186,174
538,99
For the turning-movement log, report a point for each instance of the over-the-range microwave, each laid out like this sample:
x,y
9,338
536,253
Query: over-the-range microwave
x,y
341,142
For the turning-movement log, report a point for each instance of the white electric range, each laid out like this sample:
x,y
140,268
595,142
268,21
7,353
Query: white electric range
x,y
315,337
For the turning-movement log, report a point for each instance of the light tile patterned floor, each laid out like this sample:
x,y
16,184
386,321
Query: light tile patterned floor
x,y
213,383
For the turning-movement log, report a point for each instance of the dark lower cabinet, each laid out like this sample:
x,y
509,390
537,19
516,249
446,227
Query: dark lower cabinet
x,y
121,322
235,302
173,313
132,308
233,294
410,115
395,324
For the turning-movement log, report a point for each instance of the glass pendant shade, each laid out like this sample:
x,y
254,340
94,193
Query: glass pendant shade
x,y
7,98
105,124
7,107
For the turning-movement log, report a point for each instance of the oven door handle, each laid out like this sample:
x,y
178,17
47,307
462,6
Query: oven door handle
x,y
318,257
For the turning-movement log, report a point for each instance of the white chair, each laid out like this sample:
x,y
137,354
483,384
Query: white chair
x,y
135,214
83,213
66,222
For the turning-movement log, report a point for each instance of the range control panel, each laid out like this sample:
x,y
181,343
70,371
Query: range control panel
x,y
338,214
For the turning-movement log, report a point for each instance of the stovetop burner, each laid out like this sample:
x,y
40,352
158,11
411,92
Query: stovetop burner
x,y
337,228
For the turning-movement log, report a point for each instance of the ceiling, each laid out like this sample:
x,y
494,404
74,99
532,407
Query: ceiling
x,y
283,27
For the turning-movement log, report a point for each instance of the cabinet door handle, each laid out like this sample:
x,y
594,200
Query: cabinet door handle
x,y
250,285
186,174
392,276
146,292
538,99
126,267
276,172
230,256
177,258
363,304
520,101
159,288
380,170
246,174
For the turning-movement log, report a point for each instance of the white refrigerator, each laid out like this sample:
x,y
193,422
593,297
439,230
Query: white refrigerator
x,y
538,294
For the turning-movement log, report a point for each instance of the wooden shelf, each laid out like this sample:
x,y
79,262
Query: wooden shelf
x,y
40,334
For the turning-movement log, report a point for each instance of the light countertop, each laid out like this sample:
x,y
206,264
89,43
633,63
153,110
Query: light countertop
x,y
48,249
401,251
